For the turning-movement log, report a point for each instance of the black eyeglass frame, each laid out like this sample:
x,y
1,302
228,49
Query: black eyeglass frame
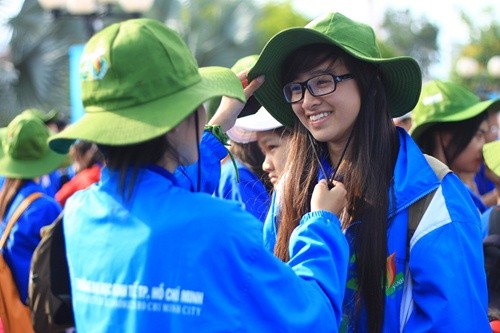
x,y
305,85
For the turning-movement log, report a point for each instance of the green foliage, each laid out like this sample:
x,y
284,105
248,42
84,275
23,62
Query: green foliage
x,y
483,45
276,17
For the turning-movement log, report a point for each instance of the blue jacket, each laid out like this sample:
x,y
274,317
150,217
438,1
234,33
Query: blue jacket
x,y
249,191
25,235
447,290
170,260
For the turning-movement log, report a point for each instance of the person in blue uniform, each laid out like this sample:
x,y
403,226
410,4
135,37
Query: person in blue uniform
x,y
328,82
451,124
150,253
24,157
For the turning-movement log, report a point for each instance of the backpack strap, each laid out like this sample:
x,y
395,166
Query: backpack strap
x,y
494,221
17,214
417,209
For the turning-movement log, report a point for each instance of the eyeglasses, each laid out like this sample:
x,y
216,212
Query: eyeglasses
x,y
317,86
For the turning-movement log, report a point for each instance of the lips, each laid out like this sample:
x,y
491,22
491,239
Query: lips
x,y
273,179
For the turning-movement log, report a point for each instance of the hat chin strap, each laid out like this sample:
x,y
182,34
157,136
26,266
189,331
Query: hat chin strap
x,y
330,180
198,178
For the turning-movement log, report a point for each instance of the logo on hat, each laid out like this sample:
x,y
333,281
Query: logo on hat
x,y
434,99
94,65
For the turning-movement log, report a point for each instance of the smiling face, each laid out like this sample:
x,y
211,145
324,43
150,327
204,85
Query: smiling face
x,y
274,146
329,118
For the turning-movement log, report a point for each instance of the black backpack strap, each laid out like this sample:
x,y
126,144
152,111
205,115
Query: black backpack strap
x,y
494,221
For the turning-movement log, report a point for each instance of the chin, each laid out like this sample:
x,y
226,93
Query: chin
x,y
322,137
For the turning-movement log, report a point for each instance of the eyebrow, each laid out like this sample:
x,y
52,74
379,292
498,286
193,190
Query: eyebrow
x,y
330,69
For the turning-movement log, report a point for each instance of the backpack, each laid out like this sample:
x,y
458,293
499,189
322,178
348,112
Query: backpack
x,y
14,314
416,210
49,289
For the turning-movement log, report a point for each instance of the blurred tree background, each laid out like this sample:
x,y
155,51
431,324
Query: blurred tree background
x,y
35,70
477,65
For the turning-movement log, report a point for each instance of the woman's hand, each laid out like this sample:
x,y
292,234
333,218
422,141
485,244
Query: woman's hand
x,y
230,108
333,200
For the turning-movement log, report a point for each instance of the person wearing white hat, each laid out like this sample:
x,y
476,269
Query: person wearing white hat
x,y
260,144
271,136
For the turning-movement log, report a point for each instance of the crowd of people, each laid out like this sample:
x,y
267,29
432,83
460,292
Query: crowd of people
x,y
283,208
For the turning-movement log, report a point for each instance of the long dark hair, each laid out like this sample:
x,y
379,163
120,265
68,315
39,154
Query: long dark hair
x,y
461,133
131,158
366,171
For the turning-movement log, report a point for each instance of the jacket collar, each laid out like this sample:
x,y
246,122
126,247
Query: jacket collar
x,y
413,176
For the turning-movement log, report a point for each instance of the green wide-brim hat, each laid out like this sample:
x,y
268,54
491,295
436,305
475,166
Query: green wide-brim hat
x,y
401,76
139,81
445,102
491,155
24,150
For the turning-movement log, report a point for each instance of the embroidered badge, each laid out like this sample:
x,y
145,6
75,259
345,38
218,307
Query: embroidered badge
x,y
394,280
93,65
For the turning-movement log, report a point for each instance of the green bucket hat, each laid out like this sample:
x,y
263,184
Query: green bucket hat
x,y
491,155
443,102
401,76
139,80
25,153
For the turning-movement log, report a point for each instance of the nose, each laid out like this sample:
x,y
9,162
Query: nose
x,y
267,165
309,100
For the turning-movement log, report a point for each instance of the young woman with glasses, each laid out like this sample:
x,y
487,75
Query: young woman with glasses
x,y
329,83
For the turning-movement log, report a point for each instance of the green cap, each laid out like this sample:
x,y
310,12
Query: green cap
x,y
443,102
491,155
25,153
401,76
140,80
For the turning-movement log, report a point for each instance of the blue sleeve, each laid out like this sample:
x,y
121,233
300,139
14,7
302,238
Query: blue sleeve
x,y
212,151
253,194
306,294
270,230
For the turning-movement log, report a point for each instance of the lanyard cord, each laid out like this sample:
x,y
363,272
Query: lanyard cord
x,y
198,178
329,180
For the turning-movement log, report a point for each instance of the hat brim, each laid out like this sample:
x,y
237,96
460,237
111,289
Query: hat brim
x,y
245,128
28,169
464,114
144,122
491,155
401,76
